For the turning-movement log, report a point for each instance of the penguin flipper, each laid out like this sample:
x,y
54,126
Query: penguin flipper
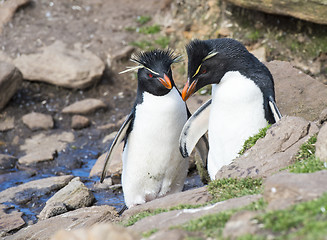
x,y
194,129
118,139
274,109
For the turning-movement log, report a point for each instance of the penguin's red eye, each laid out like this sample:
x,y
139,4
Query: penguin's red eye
x,y
204,71
150,75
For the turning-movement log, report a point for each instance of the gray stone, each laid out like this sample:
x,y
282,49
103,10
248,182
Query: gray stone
x,y
177,217
73,196
321,144
284,189
173,234
42,147
52,209
6,123
62,66
37,188
8,9
309,96
322,117
240,224
80,218
115,166
275,151
37,121
192,197
102,231
310,10
7,161
79,122
10,81
85,106
10,221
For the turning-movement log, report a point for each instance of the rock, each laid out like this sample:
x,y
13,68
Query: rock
x,y
309,96
173,234
6,124
192,197
85,106
284,189
42,147
260,53
16,176
38,156
7,161
322,117
10,221
177,217
8,9
97,232
62,66
240,224
115,166
109,137
321,144
10,81
122,54
311,10
275,151
79,122
37,121
73,196
80,218
38,188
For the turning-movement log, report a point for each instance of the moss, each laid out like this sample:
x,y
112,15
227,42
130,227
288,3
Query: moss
x,y
150,29
306,220
307,149
143,19
252,140
227,188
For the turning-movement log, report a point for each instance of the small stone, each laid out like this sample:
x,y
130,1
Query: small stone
x,y
260,53
73,196
10,81
10,221
79,122
38,156
7,161
6,124
85,106
53,209
109,137
37,121
322,117
62,66
321,144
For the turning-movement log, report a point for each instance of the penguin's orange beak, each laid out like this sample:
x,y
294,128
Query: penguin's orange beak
x,y
166,81
188,90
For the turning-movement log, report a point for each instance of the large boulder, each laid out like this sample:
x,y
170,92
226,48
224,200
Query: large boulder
x,y
10,81
297,94
310,10
62,66
275,151
321,144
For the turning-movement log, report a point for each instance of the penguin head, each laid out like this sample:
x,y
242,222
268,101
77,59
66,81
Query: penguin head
x,y
209,60
154,71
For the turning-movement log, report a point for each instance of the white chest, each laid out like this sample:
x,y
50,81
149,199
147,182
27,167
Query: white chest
x,y
237,113
151,158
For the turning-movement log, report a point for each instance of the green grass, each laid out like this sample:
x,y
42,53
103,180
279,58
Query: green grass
x,y
143,44
143,19
153,29
306,161
252,140
149,233
306,220
163,41
226,188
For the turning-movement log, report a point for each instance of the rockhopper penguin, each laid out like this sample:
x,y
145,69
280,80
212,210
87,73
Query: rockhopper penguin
x,y
243,99
152,163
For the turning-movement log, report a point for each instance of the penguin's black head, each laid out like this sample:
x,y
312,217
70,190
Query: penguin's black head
x,y
154,74
209,60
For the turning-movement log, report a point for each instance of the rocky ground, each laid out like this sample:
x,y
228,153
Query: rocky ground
x,y
61,101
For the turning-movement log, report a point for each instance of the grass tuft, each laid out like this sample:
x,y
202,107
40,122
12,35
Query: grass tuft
x,y
226,188
252,140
